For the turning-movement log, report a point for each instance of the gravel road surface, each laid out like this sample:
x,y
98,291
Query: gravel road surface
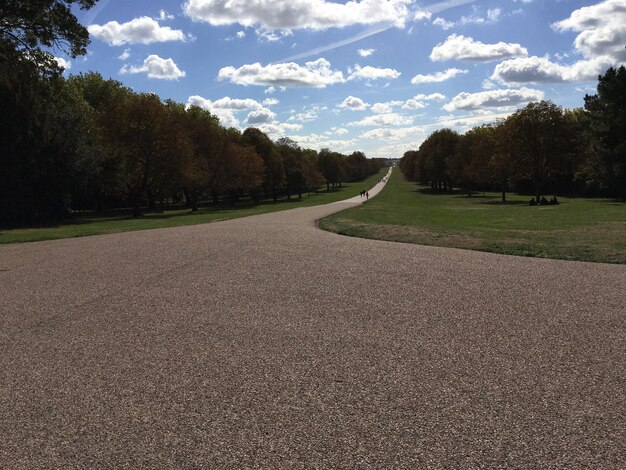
x,y
265,342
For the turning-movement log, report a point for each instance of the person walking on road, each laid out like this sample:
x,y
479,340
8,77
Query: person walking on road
x,y
367,195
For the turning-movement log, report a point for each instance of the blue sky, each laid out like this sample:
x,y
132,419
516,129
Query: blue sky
x,y
370,75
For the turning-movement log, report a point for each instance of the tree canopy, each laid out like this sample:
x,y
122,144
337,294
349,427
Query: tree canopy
x,y
539,149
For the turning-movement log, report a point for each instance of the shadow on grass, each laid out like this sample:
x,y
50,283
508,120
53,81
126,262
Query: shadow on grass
x,y
505,203
437,192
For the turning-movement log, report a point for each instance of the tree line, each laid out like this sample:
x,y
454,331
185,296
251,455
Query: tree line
x,y
88,143
541,149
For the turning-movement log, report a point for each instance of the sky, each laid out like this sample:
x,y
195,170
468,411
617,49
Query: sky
x,y
376,76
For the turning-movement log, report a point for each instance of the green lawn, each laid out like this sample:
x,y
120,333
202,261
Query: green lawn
x,y
95,225
576,229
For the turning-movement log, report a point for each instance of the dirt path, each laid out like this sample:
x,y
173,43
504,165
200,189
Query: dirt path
x,y
265,342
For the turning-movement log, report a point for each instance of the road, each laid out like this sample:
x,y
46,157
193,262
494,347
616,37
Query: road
x,y
266,342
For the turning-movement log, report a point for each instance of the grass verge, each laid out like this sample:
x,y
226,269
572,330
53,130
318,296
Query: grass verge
x,y
576,229
98,225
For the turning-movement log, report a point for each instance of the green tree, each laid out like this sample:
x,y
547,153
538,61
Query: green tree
x,y
41,120
607,113
293,164
501,161
469,166
543,144
435,152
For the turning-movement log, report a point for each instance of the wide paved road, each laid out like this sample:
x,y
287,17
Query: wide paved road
x,y
265,342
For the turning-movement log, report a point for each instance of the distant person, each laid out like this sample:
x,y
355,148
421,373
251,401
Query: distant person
x,y
544,201
367,195
532,202
554,200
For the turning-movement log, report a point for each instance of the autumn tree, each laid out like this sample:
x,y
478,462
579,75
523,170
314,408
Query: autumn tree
x,y
137,133
274,171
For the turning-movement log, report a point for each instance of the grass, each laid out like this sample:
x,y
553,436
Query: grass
x,y
98,225
576,229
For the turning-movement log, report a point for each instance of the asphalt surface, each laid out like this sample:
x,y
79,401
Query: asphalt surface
x,y
266,342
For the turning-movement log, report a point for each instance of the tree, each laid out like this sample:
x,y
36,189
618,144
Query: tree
x,y
200,167
312,176
435,152
274,172
542,144
139,136
41,120
469,166
501,161
31,24
408,164
292,162
607,113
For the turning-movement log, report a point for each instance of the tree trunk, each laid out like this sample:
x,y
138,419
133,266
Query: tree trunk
x,y
151,201
194,201
537,192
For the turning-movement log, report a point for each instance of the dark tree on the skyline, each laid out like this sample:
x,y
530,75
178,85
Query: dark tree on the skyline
x,y
607,112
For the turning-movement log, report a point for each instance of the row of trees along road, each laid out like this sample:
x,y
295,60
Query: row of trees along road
x,y
540,149
86,143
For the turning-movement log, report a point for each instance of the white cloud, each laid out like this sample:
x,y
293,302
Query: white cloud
x,y
320,141
353,103
305,116
386,107
163,15
388,119
602,29
270,90
156,67
142,30
431,97
278,129
422,15
272,36
393,134
339,130
226,116
366,52
446,25
541,70
270,102
493,99
236,104
63,63
417,102
372,73
437,77
464,123
241,34
601,41
493,16
260,116
458,47
274,15
124,55
316,74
